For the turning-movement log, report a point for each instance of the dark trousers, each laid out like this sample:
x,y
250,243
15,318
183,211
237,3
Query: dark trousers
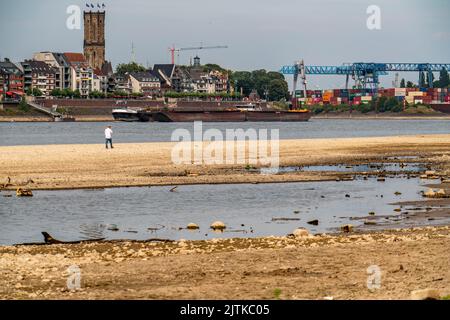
x,y
110,142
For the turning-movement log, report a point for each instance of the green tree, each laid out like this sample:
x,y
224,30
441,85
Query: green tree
x,y
444,80
410,84
213,67
56,93
392,105
403,83
380,104
23,105
34,92
243,80
76,94
278,90
129,67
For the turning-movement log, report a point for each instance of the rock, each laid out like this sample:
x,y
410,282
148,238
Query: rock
x,y
425,294
381,179
347,196
423,176
347,228
113,227
371,213
441,193
192,226
430,172
314,222
24,192
370,223
397,193
218,225
301,233
430,193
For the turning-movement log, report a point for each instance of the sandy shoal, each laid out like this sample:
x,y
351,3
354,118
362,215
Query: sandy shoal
x,y
136,164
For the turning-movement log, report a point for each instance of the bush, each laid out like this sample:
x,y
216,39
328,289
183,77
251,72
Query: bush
x,y
23,105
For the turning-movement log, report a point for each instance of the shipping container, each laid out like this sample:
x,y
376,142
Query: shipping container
x,y
415,94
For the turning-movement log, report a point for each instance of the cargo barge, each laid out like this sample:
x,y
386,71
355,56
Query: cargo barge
x,y
441,107
234,115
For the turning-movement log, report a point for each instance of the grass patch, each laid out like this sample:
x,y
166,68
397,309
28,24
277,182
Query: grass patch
x,y
419,109
277,294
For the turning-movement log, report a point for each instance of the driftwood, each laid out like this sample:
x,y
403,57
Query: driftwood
x,y
6,185
48,239
285,219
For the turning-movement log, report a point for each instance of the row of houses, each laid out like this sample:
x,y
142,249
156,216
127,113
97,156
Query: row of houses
x,y
169,77
47,71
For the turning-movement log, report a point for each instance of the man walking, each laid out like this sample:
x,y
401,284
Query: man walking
x,y
108,137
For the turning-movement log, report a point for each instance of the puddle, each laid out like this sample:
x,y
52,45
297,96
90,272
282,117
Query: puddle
x,y
359,168
248,210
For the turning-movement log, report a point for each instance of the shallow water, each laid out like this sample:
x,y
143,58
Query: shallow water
x,y
86,214
359,168
92,132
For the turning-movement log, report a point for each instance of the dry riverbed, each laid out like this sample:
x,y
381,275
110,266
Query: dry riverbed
x,y
311,267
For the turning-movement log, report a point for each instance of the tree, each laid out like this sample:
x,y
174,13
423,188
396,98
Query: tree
x,y
410,84
278,90
124,68
259,80
76,94
213,67
34,92
243,80
23,105
56,93
402,83
444,80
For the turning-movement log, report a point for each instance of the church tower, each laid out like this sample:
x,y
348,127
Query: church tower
x,y
94,38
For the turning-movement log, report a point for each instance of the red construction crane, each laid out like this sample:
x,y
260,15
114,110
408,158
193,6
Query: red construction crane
x,y
173,50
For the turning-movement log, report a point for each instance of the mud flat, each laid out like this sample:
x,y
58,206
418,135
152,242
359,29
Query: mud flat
x,y
145,164
311,267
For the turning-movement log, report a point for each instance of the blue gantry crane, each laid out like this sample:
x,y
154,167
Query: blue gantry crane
x,y
364,73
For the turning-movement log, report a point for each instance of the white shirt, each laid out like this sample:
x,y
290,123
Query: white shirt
x,y
108,133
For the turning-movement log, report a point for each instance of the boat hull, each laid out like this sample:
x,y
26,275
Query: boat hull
x,y
126,116
230,116
277,116
441,107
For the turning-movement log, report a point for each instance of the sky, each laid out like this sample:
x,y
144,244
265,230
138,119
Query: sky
x,y
260,34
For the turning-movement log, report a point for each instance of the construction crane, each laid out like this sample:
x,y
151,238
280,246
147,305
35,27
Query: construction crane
x,y
173,50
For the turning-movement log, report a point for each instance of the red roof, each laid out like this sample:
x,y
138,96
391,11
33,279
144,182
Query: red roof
x,y
75,57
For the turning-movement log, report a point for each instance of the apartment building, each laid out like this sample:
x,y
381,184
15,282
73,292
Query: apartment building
x,y
82,76
39,75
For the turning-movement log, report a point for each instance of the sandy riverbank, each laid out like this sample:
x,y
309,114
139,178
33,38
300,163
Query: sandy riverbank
x,y
298,268
91,166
